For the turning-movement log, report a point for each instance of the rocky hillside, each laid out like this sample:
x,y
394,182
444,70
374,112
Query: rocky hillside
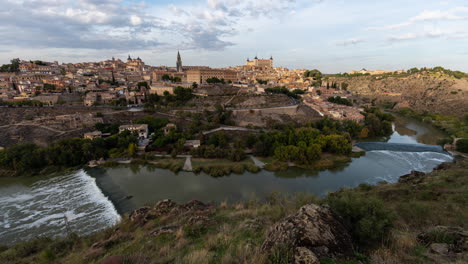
x,y
444,95
421,219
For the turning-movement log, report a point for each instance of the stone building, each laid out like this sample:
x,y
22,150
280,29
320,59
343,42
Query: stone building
x,y
141,129
263,63
136,65
201,75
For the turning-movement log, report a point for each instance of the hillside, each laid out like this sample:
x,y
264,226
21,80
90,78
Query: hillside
x,y
421,92
421,219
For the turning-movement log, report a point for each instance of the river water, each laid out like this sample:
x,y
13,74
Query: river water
x,y
88,200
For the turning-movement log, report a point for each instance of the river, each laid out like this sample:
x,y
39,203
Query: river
x,y
89,200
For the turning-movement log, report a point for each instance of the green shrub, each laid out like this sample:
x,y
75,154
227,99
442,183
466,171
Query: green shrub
x,y
252,168
281,255
46,256
462,145
368,219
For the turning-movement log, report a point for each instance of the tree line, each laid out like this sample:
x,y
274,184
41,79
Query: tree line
x,y
70,152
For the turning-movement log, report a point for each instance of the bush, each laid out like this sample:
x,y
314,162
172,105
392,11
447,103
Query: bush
x,y
368,219
462,145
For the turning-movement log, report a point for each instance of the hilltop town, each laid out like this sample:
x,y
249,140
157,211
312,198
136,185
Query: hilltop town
x,y
46,101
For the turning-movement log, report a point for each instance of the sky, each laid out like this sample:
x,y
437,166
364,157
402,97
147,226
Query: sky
x,y
329,35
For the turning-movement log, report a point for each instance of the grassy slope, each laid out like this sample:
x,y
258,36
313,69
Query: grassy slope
x,y
234,233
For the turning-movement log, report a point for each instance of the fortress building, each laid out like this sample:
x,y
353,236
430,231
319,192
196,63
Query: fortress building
x,y
264,63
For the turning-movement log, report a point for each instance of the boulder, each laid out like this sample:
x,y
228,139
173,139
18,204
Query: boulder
x,y
142,215
313,233
439,248
454,237
164,230
413,176
444,166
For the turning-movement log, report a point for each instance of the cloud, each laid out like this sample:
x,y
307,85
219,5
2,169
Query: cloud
x,y
127,25
353,41
403,37
457,13
435,33
208,26
89,24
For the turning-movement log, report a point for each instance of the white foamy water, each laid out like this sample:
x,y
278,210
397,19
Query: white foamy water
x,y
41,209
395,163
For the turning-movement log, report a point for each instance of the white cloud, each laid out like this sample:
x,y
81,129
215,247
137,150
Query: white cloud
x,y
407,36
352,41
135,20
456,13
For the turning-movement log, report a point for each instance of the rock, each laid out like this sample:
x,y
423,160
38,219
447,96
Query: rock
x,y
195,205
454,237
164,230
140,216
413,176
443,166
314,232
305,256
439,248
164,206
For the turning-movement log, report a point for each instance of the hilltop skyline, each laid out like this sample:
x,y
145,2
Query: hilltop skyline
x,y
329,35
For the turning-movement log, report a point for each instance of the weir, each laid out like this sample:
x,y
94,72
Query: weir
x,y
400,147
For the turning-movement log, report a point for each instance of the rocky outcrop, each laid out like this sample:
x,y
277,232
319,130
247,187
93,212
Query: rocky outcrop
x,y
412,177
419,92
313,233
446,244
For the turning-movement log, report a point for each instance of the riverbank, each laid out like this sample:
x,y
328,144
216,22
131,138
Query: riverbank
x,y
402,229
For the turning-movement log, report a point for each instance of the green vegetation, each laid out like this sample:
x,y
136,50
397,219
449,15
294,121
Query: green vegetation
x,y
284,90
175,79
316,75
376,123
436,71
22,103
223,167
339,100
440,70
454,126
12,67
49,87
462,145
28,158
384,222
180,97
215,80
259,81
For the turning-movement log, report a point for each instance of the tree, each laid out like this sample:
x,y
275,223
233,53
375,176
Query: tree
x,y
166,77
12,67
364,132
314,151
462,145
132,148
49,87
143,84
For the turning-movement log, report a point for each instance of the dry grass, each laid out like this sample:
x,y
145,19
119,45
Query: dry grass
x,y
384,256
201,256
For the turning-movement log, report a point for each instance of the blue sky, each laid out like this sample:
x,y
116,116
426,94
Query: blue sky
x,y
330,35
